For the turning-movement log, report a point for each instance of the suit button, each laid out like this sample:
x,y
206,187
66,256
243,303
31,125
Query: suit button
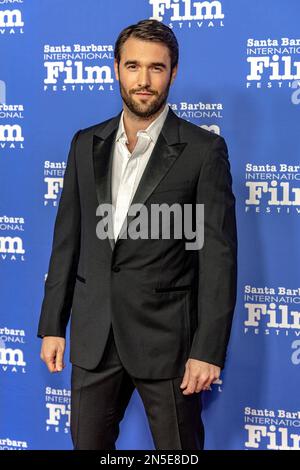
x,y
116,269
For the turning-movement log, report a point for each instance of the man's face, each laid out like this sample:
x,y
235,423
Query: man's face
x,y
144,67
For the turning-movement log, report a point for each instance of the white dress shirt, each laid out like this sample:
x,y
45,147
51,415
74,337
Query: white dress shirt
x,y
127,168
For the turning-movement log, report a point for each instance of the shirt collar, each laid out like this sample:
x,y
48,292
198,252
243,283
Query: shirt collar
x,y
153,130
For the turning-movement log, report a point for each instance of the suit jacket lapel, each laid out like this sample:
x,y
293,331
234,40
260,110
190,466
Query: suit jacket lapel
x,y
167,149
103,140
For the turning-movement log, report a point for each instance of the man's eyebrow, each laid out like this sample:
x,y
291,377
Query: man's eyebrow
x,y
136,62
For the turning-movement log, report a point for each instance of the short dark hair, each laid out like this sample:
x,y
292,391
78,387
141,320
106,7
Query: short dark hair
x,y
149,30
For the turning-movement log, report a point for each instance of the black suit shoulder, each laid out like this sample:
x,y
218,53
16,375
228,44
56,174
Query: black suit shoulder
x,y
96,127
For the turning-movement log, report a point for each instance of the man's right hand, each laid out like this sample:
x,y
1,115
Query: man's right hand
x,y
52,353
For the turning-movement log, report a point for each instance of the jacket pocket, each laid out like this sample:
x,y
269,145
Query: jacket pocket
x,y
80,278
174,186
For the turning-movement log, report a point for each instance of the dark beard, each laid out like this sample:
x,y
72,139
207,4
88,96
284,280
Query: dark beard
x,y
152,109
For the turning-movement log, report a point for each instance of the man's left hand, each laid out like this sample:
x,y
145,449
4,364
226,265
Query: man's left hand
x,y
198,376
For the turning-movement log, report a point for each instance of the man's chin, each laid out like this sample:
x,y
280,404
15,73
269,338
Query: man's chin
x,y
142,111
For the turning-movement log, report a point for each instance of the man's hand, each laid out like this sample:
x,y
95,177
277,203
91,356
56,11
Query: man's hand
x,y
198,376
52,353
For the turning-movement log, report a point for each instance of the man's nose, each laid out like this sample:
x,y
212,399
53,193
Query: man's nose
x,y
143,78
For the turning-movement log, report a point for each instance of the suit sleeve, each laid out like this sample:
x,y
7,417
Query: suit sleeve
x,y
217,282
60,282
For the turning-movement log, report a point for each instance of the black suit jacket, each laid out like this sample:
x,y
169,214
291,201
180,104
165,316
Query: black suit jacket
x,y
165,303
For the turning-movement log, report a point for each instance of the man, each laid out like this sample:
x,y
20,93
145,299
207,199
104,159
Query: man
x,y
147,313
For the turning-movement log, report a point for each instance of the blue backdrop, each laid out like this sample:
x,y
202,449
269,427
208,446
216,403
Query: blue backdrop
x,y
239,76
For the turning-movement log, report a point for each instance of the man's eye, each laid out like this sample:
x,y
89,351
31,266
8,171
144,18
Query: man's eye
x,y
155,68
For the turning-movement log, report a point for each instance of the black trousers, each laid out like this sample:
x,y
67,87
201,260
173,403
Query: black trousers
x,y
100,398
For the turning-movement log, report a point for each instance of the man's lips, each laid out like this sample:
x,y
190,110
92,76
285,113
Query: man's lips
x,y
144,93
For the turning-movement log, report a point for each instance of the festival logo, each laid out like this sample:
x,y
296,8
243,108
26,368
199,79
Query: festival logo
x,y
11,241
12,343
78,67
272,311
53,178
271,429
11,20
272,188
58,406
187,14
205,115
8,443
273,63
11,133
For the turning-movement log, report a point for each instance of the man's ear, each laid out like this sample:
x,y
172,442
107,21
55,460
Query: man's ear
x,y
174,73
116,69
